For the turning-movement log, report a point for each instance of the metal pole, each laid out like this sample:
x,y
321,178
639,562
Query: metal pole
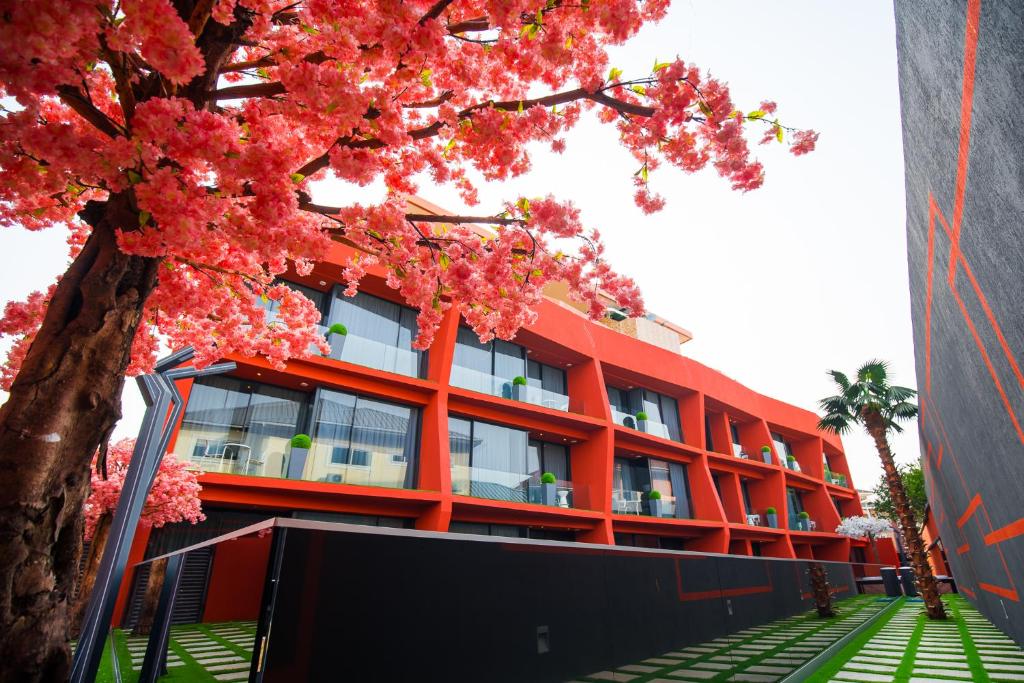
x,y
160,394
153,666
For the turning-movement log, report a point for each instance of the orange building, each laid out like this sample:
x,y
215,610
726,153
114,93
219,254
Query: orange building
x,y
535,438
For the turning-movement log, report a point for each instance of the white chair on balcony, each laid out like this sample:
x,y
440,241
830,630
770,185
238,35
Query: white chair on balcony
x,y
626,502
754,519
811,525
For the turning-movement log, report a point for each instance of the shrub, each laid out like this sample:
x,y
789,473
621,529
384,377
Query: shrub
x,y
337,328
804,515
641,415
790,458
547,478
654,495
766,449
769,511
519,381
301,441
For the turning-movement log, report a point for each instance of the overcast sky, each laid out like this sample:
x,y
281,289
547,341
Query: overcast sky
x,y
805,274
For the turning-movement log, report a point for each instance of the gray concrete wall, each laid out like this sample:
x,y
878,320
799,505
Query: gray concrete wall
x,y
963,138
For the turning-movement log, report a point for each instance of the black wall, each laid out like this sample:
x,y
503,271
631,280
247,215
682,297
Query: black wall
x,y
393,608
969,358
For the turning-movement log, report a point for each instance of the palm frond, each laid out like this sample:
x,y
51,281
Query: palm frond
x,y
874,372
903,410
893,426
834,404
841,379
897,393
837,424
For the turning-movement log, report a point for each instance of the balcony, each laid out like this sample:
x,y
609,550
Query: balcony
x,y
798,523
370,353
626,502
323,462
485,383
837,479
513,487
647,426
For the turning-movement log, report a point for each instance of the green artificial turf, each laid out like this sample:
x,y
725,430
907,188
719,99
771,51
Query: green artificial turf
x,y
845,609
955,605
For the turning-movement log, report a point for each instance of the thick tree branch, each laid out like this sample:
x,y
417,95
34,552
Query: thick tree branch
x,y
435,11
268,89
74,98
434,218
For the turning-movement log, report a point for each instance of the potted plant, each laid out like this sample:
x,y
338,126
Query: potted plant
x,y
803,521
828,475
791,463
641,421
773,517
297,454
519,388
548,489
336,335
766,454
654,504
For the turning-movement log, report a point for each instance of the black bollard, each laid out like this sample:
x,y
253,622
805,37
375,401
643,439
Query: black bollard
x,y
908,581
891,582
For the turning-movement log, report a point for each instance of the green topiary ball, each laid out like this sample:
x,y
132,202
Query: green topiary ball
x,y
547,478
804,515
338,328
654,495
641,415
519,381
301,441
770,511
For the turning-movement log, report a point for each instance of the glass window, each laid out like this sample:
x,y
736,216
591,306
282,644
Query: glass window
x,y
839,506
470,353
795,506
239,427
781,445
271,306
710,445
745,488
509,360
380,333
358,440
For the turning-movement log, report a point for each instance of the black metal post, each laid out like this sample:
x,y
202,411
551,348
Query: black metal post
x,y
163,407
155,663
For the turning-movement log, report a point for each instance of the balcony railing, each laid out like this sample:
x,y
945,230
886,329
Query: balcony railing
x,y
649,426
273,457
797,524
837,479
371,353
626,502
515,487
485,383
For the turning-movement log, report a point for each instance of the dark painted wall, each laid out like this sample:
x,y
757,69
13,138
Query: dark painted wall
x,y
961,72
391,608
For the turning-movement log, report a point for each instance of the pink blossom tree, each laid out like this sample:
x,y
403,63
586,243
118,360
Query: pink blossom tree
x,y
174,497
180,144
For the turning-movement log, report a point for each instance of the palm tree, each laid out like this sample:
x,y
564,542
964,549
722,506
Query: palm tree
x,y
879,406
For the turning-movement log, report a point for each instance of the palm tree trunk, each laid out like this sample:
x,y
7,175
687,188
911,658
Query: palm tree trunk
x,y
912,538
157,573
820,588
92,565
64,402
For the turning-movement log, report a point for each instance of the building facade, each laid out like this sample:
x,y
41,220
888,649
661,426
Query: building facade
x,y
575,431
960,68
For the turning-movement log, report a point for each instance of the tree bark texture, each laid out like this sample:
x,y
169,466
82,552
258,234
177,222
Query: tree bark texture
x,y
157,573
62,406
822,591
926,584
88,578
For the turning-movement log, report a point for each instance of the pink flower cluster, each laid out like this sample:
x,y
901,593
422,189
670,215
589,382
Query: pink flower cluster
x,y
173,498
352,89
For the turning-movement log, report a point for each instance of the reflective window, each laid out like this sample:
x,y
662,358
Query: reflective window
x,y
491,368
380,333
662,411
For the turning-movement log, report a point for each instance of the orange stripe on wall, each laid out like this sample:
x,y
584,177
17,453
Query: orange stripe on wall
x,y
1007,532
966,106
966,547
1001,592
971,507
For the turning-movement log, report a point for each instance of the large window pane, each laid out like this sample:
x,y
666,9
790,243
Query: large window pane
x,y
470,353
332,439
238,427
380,333
509,361
381,450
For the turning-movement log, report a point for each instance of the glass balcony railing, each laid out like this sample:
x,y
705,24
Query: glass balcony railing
x,y
798,524
260,456
837,479
371,353
515,487
649,426
485,383
626,502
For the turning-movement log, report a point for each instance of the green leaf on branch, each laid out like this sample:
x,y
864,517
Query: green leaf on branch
x,y
444,259
639,89
705,108
756,114
614,74
143,218
306,28
297,177
133,177
778,133
658,66
425,78
568,42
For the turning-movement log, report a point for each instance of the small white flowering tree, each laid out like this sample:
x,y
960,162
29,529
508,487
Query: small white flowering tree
x,y
865,527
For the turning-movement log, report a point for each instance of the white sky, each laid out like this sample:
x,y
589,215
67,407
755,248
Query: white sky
x,y
805,274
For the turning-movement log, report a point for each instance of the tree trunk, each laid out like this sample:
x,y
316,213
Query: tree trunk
x,y
822,591
64,402
92,565
157,572
908,526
